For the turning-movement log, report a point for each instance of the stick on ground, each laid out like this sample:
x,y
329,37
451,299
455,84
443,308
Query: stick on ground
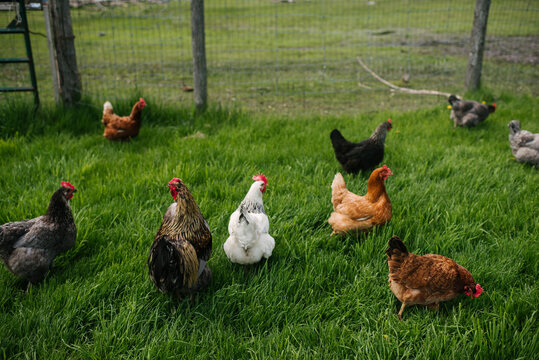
x,y
401,89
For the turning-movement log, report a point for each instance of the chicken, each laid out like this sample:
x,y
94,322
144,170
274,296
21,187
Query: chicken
x,y
363,155
29,247
182,246
468,113
248,227
428,279
360,213
122,127
524,144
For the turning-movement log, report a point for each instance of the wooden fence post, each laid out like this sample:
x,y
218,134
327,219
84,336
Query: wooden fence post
x,y
52,52
69,82
199,54
479,32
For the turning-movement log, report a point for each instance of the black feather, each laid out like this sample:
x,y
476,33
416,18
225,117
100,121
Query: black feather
x,y
452,99
395,243
242,215
165,264
365,155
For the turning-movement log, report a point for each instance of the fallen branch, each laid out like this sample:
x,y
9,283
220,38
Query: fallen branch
x,y
401,89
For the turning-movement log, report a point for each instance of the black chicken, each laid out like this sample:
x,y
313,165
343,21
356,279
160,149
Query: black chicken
x,y
182,246
28,247
468,113
364,155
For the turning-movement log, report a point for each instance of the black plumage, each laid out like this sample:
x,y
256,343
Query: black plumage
x,y
468,113
364,155
29,247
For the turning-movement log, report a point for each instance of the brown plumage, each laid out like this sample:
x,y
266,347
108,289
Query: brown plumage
x,y
28,247
352,212
182,246
426,280
122,127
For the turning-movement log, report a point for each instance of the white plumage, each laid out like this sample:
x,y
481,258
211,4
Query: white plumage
x,y
248,227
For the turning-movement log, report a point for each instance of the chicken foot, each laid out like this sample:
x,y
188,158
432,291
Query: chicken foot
x,y
402,309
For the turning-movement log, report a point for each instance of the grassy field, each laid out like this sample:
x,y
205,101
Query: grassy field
x,y
458,193
293,58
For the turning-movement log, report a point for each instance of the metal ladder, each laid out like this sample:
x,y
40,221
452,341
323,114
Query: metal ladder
x,y
28,59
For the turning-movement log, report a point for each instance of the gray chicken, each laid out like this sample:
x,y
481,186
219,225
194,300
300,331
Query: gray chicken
x,y
468,113
28,247
524,144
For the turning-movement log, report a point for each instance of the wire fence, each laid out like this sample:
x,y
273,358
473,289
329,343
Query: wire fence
x,y
289,55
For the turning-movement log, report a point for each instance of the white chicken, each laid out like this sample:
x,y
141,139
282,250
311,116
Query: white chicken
x,y
249,240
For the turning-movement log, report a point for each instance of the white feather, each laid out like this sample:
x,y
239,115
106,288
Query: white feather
x,y
249,240
106,106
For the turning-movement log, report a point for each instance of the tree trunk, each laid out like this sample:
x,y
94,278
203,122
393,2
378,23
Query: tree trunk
x,y
479,32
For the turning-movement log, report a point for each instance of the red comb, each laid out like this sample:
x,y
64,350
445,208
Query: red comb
x,y
389,120
67,185
478,290
494,104
175,180
260,177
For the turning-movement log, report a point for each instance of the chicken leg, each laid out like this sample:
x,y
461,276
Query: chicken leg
x,y
402,309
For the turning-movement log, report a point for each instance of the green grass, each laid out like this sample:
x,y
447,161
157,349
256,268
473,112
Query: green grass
x,y
457,192
296,58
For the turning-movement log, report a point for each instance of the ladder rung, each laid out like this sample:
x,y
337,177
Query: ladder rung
x,y
14,89
11,30
13,60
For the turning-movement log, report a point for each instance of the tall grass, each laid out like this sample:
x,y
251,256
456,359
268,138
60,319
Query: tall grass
x,y
457,192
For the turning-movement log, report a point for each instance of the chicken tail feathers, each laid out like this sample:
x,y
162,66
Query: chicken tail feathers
x,y
107,111
338,189
452,99
396,254
107,108
338,141
396,247
173,265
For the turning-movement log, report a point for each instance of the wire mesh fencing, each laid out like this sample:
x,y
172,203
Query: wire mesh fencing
x,y
291,55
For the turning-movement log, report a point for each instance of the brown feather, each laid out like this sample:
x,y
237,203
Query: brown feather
x,y
424,280
122,127
353,212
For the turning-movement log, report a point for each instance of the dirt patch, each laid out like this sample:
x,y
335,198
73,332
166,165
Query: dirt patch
x,y
515,49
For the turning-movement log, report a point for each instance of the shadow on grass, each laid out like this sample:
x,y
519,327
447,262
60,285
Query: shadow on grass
x,y
19,118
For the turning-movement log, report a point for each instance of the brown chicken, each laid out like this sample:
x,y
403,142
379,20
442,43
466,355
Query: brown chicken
x,y
352,212
182,246
122,127
428,279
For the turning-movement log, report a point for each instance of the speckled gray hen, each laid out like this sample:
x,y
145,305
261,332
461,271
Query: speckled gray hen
x,y
468,113
29,247
524,144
